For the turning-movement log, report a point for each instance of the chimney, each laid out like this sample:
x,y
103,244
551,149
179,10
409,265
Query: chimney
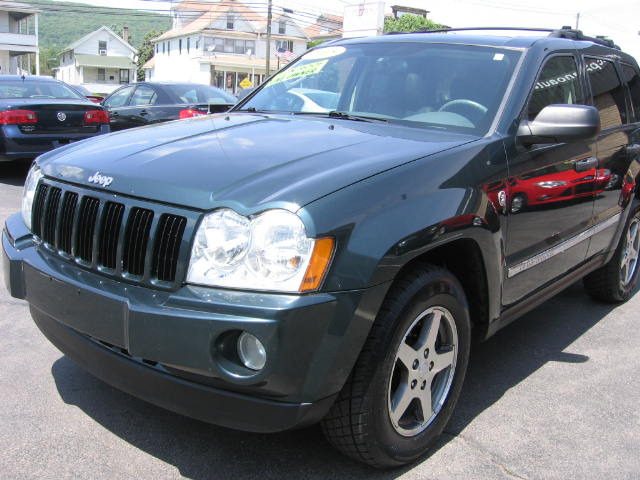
x,y
125,34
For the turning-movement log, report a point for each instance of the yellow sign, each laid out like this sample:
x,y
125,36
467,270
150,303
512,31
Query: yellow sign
x,y
246,83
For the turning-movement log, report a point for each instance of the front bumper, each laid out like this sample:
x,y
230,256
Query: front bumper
x,y
177,349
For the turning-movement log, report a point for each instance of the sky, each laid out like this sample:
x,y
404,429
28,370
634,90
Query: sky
x,y
617,19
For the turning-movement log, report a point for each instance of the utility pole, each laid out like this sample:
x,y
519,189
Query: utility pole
x,y
268,38
577,20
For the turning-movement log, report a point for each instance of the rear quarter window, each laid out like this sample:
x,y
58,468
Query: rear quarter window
x,y
632,78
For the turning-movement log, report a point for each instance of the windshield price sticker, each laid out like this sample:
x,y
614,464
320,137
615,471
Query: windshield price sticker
x,y
299,72
324,53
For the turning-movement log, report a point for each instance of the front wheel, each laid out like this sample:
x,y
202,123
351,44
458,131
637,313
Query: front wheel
x,y
615,281
405,384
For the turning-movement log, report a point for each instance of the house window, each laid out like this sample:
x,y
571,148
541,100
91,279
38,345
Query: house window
x,y
102,76
284,45
230,22
250,47
180,46
124,75
102,47
282,27
229,45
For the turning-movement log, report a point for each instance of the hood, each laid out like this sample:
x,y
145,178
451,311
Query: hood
x,y
244,161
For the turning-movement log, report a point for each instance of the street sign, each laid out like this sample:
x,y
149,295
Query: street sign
x,y
246,83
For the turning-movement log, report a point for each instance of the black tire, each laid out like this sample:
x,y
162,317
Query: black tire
x,y
359,424
607,283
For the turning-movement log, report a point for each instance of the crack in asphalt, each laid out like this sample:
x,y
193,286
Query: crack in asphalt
x,y
486,453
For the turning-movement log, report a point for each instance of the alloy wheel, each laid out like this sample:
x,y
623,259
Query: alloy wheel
x,y
630,252
423,371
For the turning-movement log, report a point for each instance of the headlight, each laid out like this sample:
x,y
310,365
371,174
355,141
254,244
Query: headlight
x,y
268,252
551,184
30,185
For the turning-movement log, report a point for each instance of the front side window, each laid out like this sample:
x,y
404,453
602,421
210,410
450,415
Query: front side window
x,y
632,78
608,94
118,98
446,87
558,82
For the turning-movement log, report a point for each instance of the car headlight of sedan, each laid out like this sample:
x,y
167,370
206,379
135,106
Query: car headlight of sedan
x,y
270,251
551,183
29,192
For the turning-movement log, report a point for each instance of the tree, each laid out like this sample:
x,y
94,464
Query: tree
x,y
48,59
145,52
410,23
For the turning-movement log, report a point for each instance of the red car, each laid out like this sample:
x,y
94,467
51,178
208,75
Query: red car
x,y
554,184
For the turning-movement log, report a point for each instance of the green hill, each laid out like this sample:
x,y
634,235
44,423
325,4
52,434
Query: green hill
x,y
62,23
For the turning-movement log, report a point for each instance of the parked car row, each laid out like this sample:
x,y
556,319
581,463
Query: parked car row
x,y
38,114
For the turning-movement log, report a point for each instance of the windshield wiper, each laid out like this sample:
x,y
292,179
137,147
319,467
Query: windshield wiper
x,y
357,118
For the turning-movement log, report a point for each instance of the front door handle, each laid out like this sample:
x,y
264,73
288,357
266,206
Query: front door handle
x,y
144,112
586,164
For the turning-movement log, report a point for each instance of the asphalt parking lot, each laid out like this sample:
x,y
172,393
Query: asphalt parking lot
x,y
553,396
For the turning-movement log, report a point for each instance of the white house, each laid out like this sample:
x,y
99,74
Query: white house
x,y
223,44
18,39
100,61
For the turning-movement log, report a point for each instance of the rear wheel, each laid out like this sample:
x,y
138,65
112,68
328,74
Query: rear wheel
x,y
405,384
615,281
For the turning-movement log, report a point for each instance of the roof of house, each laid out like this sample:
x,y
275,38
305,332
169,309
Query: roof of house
x,y
149,63
211,11
104,61
18,7
326,25
106,29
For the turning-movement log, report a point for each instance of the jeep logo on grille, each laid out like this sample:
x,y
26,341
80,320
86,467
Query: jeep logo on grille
x,y
100,179
61,116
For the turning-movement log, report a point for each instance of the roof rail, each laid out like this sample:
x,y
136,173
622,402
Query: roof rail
x,y
568,32
564,32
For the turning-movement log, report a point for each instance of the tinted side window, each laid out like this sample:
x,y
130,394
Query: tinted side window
x,y
119,98
633,80
558,83
608,95
143,96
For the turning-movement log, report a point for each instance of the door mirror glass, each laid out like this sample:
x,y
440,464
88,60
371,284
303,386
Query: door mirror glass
x,y
561,123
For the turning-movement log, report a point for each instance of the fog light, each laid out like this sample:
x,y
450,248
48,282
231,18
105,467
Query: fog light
x,y
251,351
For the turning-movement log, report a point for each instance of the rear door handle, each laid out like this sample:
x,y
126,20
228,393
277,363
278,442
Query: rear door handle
x,y
586,164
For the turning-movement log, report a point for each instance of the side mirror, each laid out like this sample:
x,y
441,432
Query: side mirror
x,y
561,123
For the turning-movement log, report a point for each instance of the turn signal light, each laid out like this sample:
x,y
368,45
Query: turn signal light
x,y
18,117
190,112
320,259
96,116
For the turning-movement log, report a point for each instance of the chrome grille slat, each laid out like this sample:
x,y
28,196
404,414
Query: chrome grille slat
x,y
115,238
110,231
136,240
86,227
65,230
38,209
51,216
168,246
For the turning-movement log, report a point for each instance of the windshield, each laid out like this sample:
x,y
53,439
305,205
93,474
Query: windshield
x,y
188,93
448,87
35,89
